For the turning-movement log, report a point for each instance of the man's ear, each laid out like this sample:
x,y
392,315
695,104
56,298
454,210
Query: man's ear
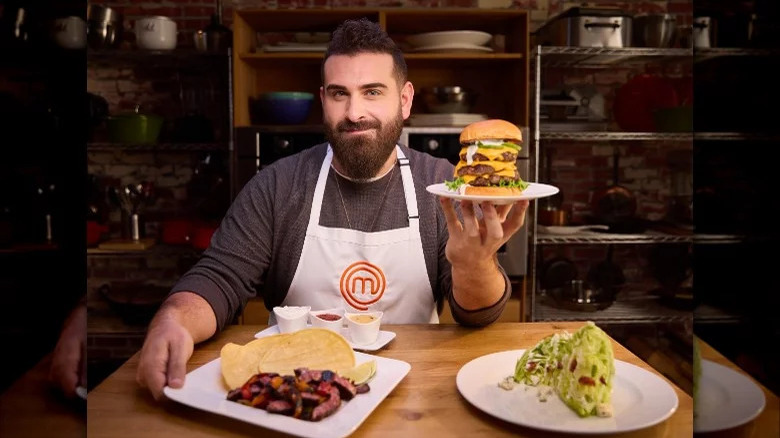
x,y
322,96
407,95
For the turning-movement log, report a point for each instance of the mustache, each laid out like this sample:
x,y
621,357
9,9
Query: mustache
x,y
347,125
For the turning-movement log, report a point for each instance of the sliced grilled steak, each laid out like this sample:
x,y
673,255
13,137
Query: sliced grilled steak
x,y
310,398
347,390
362,388
280,407
327,407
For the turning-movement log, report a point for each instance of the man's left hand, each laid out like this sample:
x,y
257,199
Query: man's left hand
x,y
479,239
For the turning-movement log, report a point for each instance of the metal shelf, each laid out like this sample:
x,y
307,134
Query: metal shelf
x,y
657,136
649,237
704,313
158,249
609,136
737,136
645,309
152,58
157,147
599,57
705,54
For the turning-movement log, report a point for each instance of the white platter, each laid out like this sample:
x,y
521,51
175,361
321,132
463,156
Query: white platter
x,y
452,47
726,399
204,389
468,37
640,398
382,340
533,191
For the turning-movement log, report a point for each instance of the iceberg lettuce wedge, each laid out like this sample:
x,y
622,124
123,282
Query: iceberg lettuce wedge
x,y
578,366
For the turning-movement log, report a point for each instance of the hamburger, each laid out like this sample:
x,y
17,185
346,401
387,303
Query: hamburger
x,y
488,160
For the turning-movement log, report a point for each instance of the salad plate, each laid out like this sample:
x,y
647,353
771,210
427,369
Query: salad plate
x,y
533,191
640,398
726,399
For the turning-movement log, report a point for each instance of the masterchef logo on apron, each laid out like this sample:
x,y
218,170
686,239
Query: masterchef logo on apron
x,y
361,284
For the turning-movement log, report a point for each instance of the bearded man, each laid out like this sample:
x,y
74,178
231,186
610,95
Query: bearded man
x,y
344,224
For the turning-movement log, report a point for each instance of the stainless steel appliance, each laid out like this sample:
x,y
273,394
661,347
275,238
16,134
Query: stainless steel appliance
x,y
444,142
587,27
256,148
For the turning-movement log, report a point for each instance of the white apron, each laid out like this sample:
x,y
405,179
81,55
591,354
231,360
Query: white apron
x,y
358,271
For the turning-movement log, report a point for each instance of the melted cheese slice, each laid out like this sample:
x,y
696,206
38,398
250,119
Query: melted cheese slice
x,y
492,154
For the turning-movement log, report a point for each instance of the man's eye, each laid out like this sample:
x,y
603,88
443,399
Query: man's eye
x,y
374,92
339,93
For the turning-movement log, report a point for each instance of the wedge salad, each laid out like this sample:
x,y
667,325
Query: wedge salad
x,y
578,367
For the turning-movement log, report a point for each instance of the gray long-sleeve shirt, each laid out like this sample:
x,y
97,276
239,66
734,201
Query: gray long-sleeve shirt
x,y
259,242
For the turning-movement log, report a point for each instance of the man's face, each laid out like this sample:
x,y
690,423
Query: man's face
x,y
363,111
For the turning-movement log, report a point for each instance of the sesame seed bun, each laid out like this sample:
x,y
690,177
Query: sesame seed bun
x,y
493,129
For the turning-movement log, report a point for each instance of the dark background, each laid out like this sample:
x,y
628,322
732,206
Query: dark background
x,y
42,171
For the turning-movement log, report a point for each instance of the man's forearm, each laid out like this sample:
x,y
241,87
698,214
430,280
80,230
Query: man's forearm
x,y
477,285
190,310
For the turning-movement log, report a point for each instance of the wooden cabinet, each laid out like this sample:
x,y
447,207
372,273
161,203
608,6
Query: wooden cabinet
x,y
499,78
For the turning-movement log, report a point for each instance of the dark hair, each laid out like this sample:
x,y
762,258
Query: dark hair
x,y
353,37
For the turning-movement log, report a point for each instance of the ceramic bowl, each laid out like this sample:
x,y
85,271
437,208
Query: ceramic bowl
x,y
332,319
363,326
291,318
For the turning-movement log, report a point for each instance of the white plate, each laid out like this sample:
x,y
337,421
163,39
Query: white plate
x,y
452,47
726,398
382,340
295,48
639,398
469,37
533,191
203,389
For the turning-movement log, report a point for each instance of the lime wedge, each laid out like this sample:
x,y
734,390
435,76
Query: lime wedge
x,y
361,373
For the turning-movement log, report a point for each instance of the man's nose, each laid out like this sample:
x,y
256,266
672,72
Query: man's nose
x,y
356,110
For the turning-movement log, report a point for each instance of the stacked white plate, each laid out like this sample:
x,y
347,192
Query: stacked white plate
x,y
450,41
452,119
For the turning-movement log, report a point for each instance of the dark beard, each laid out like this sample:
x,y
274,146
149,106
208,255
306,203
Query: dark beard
x,y
360,157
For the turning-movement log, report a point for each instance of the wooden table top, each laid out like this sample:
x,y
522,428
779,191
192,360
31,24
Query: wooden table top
x,y
31,407
767,424
425,403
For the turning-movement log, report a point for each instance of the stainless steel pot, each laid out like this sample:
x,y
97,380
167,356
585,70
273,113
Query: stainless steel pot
x,y
214,38
654,30
704,32
105,27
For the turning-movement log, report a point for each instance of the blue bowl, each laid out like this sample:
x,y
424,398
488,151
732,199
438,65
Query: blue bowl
x,y
282,108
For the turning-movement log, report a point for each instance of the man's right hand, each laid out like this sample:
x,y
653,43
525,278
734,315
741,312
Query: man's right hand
x,y
166,350
184,319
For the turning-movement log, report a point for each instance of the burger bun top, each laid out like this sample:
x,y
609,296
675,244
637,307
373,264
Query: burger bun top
x,y
493,129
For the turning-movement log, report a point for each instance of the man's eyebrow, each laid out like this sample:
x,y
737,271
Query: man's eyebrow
x,y
373,85
334,87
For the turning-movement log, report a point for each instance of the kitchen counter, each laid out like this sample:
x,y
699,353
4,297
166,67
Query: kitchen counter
x,y
425,403
31,407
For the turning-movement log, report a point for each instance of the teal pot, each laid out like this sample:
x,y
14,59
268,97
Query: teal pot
x,y
134,128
